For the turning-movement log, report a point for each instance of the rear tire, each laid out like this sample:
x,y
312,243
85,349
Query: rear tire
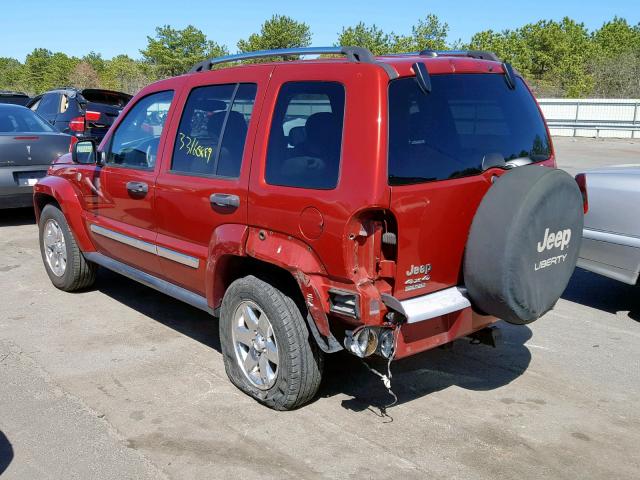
x,y
66,266
284,380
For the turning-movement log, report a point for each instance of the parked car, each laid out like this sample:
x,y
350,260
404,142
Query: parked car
x,y
28,146
17,98
611,236
86,113
417,205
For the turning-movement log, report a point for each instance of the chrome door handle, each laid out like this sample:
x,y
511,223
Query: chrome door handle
x,y
137,188
224,200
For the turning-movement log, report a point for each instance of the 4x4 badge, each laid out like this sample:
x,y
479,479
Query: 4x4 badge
x,y
417,282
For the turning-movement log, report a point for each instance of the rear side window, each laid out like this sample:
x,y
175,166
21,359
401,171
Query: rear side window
x,y
466,120
306,135
49,104
213,130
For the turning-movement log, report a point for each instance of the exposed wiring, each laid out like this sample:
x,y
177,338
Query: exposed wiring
x,y
386,379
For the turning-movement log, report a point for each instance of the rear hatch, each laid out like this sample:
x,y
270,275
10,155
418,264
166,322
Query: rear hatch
x,y
102,107
442,146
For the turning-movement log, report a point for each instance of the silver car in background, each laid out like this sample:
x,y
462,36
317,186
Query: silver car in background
x,y
28,145
611,237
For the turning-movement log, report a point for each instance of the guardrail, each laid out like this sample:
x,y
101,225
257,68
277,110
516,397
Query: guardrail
x,y
612,118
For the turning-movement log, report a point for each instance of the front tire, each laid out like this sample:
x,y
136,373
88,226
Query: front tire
x,y
266,347
66,266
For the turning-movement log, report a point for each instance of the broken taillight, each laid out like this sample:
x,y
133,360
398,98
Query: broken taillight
x,y
581,180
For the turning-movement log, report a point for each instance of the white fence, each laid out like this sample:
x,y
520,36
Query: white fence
x,y
598,117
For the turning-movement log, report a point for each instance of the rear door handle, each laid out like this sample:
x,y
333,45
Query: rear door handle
x,y
224,200
137,188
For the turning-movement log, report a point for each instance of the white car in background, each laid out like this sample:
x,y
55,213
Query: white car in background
x,y
611,236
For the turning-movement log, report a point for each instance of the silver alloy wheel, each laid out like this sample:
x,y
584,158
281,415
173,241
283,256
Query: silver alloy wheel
x,y
55,248
255,345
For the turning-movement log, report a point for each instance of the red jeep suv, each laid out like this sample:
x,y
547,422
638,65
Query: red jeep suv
x,y
382,205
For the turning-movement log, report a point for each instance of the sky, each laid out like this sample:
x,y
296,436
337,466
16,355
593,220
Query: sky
x,y
111,27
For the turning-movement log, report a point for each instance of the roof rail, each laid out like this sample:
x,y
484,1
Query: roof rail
x,y
353,54
480,54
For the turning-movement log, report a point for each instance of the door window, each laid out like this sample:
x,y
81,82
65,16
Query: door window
x,y
49,104
135,143
306,135
213,130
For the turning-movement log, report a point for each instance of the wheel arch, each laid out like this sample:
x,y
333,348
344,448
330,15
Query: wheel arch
x,y
59,192
237,251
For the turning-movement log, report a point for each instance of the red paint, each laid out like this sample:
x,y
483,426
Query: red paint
x,y
324,238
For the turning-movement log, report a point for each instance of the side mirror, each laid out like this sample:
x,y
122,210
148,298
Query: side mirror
x,y
84,152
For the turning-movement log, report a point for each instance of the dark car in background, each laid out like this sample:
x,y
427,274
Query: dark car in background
x,y
28,146
86,113
17,98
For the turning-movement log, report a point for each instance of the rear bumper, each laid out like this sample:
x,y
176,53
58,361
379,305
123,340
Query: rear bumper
x,y
427,334
14,195
436,319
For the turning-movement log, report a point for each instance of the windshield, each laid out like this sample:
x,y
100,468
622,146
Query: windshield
x,y
22,120
467,118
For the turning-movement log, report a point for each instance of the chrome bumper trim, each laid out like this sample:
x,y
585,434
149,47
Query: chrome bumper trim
x,y
435,304
163,252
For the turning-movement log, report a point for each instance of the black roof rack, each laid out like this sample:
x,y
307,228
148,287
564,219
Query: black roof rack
x,y
480,54
353,54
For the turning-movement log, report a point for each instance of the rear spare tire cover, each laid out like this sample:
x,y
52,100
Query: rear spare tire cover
x,y
523,244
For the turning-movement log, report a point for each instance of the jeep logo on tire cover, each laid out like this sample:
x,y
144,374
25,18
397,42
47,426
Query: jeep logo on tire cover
x,y
559,239
554,240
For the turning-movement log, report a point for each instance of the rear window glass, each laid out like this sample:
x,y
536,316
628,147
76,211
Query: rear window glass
x,y
465,120
306,135
22,120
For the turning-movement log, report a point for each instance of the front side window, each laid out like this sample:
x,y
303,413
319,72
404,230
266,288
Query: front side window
x,y
213,130
305,141
466,122
135,143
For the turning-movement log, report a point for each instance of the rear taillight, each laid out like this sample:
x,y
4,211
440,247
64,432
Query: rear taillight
x,y
77,124
92,116
73,141
581,180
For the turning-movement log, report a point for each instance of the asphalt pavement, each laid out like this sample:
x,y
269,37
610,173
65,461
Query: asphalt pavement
x,y
123,382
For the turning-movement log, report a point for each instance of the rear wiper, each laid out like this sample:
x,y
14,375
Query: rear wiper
x,y
496,159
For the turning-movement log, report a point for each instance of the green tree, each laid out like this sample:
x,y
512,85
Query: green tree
x,y
11,73
361,35
552,55
173,52
615,64
428,34
124,74
279,31
96,61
